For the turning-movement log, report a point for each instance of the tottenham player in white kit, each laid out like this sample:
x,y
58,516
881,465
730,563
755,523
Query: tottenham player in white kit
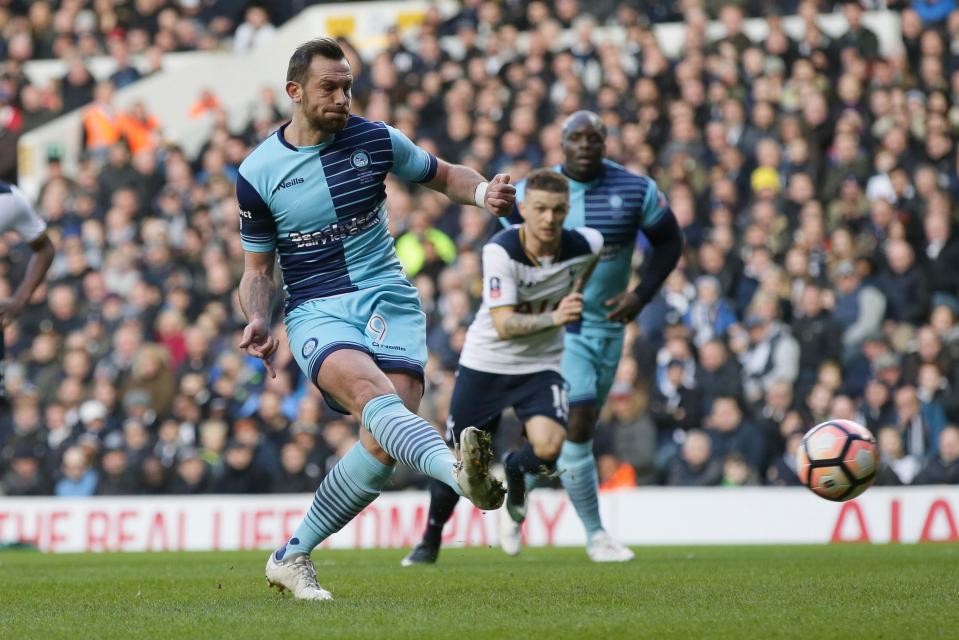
x,y
17,214
513,349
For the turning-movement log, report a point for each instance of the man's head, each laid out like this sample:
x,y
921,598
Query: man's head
x,y
584,145
545,205
320,84
949,444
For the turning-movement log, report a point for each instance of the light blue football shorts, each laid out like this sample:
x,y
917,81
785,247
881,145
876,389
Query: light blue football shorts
x,y
589,366
384,321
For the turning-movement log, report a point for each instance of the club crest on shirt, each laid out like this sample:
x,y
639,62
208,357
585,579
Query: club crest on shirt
x,y
616,201
360,159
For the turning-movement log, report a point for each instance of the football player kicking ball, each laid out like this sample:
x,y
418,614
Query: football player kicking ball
x,y
314,195
513,348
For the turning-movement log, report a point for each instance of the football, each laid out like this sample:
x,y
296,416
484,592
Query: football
x,y
838,460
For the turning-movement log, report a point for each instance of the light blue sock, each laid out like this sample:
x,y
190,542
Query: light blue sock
x,y
581,481
353,483
409,438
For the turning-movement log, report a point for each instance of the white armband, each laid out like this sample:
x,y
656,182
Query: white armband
x,y
479,197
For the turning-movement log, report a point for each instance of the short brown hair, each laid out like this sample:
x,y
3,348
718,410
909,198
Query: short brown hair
x,y
547,180
325,47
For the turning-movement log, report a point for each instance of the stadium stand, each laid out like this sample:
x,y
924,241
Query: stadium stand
x,y
813,177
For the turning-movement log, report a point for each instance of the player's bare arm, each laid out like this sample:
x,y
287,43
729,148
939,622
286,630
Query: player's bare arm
x,y
257,291
40,260
510,324
466,186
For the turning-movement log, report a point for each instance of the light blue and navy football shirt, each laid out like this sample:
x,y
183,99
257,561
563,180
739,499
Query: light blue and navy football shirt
x,y
322,208
618,204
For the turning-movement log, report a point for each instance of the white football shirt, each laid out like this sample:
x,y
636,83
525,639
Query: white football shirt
x,y
17,214
511,279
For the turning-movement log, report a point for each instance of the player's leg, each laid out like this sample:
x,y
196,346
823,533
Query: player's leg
x,y
544,439
542,406
394,330
587,359
478,399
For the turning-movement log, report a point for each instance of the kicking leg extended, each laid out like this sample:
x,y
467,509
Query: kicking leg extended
x,y
390,430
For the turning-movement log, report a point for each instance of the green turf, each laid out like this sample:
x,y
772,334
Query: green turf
x,y
840,592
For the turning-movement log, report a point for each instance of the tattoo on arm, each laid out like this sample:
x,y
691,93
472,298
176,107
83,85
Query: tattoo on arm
x,y
516,325
256,297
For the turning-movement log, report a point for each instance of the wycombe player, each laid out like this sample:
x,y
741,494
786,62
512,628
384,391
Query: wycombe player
x,y
313,193
511,357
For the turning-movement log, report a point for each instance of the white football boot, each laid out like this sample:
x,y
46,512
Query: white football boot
x,y
297,575
472,472
602,548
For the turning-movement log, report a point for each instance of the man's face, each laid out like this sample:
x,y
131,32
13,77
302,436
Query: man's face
x,y
325,95
583,147
543,214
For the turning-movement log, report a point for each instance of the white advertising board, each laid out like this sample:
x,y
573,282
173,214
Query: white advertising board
x,y
651,516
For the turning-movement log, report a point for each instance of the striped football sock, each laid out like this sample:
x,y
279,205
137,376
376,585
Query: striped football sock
x,y
353,483
581,481
409,438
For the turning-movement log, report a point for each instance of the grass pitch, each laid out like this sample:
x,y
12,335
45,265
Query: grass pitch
x,y
892,592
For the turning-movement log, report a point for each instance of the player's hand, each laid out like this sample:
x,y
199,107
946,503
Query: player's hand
x,y
258,342
9,310
500,196
626,306
570,309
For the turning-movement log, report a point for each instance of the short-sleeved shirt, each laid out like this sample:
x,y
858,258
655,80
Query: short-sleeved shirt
x,y
510,278
618,204
17,214
322,208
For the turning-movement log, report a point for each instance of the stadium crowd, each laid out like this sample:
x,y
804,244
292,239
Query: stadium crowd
x,y
813,179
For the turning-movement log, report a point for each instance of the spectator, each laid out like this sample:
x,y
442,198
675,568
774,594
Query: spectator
x,y
695,465
25,477
116,478
192,474
718,375
295,476
860,308
79,479
736,473
817,334
101,122
709,315
675,405
627,432
255,31
918,426
942,467
773,354
904,285
783,470
895,467
237,473
730,432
